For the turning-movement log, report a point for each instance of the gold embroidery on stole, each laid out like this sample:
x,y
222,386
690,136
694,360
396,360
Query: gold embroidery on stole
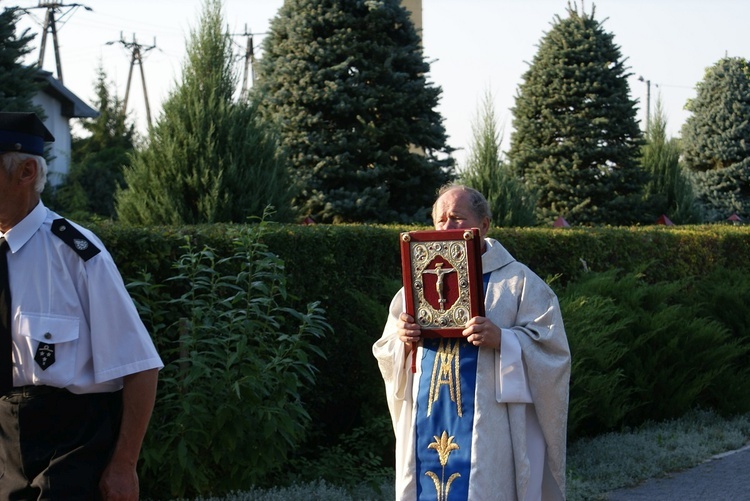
x,y
443,446
445,371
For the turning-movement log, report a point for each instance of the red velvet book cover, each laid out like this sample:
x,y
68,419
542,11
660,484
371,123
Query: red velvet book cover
x,y
442,277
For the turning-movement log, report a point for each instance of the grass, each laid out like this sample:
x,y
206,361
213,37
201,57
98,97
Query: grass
x,y
318,491
595,466
608,462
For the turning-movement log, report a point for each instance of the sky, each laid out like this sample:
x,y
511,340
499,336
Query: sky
x,y
474,47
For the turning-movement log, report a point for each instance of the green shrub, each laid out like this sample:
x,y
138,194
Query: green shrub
x,y
353,271
357,458
229,409
722,295
654,358
599,394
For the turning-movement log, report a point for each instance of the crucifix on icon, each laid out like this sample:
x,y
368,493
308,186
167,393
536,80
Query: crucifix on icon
x,y
440,273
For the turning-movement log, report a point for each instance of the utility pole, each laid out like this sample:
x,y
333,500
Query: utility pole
x,y
50,26
648,100
249,59
249,62
137,51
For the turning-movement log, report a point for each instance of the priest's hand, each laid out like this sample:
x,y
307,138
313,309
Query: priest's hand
x,y
408,331
480,331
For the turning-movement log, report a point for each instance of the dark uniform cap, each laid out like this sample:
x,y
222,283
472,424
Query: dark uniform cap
x,y
23,132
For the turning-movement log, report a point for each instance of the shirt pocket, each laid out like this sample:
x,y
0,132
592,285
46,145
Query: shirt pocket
x,y
46,334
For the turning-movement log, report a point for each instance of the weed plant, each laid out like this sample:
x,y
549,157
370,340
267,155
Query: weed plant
x,y
236,359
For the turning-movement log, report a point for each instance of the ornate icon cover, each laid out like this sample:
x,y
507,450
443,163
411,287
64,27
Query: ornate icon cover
x,y
442,277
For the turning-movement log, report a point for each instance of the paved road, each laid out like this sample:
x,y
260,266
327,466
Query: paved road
x,y
725,477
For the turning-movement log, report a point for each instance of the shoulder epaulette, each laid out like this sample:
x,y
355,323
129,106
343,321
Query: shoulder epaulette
x,y
75,239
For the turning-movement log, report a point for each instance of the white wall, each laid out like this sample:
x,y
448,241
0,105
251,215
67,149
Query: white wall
x,y
60,129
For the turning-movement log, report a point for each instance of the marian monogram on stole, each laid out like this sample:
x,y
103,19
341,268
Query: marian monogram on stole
x,y
445,409
445,373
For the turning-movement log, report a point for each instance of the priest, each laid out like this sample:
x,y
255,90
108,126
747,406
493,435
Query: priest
x,y
484,416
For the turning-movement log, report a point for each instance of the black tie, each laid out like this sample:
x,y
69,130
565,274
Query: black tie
x,y
6,356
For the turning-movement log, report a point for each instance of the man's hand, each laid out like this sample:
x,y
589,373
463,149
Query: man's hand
x,y
480,331
408,331
119,482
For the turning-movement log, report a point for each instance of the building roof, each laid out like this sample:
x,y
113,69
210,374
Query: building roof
x,y
72,105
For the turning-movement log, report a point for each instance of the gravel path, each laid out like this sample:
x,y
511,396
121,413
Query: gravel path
x,y
725,477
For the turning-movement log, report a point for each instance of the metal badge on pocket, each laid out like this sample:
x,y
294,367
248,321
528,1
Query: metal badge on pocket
x,y
45,355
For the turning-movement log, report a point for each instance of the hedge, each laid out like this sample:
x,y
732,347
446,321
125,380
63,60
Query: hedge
x,y
354,270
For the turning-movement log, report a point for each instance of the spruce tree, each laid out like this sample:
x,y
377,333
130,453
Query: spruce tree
x,y
723,192
208,159
344,83
576,139
486,170
669,188
17,81
98,159
715,137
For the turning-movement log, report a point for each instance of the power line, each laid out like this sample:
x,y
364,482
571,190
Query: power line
x,y
50,26
136,57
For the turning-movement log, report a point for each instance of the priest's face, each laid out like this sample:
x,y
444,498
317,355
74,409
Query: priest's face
x,y
453,211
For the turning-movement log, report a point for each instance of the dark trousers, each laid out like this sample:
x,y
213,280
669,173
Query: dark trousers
x,y
54,444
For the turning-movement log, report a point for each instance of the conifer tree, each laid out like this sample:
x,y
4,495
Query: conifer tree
x,y
669,188
576,139
208,159
716,144
344,82
486,170
98,159
17,81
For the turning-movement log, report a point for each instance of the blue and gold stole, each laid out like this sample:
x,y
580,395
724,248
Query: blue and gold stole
x,y
445,417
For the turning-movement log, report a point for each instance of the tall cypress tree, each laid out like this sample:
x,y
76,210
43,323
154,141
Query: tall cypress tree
x,y
208,159
576,139
716,139
486,170
344,82
669,187
17,83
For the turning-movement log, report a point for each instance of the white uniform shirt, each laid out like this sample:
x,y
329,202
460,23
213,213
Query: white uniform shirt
x,y
82,307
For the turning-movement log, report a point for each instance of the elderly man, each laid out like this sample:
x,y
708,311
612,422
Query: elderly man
x,y
78,370
484,417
